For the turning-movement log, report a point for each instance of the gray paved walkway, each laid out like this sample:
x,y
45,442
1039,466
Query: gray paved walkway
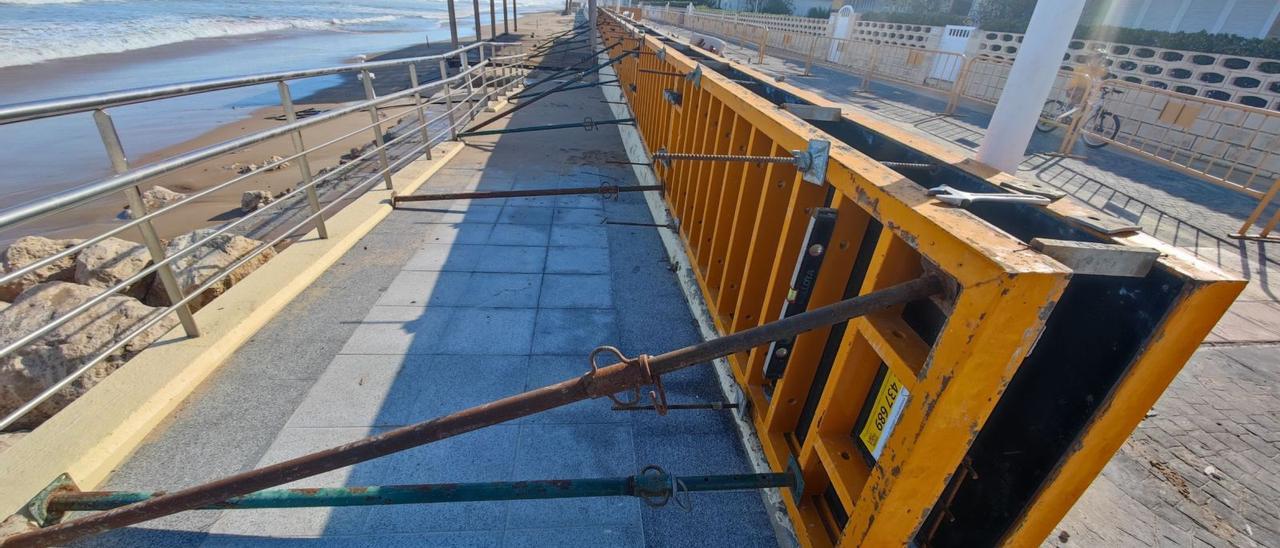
x,y
1222,409
448,305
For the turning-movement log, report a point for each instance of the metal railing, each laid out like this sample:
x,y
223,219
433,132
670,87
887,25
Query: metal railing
x,y
401,133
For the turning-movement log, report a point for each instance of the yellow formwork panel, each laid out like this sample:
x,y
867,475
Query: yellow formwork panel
x,y
743,225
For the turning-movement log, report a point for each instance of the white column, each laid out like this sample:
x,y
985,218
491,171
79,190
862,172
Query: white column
x,y
1029,82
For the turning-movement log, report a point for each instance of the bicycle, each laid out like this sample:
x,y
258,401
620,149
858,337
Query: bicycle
x,y
1098,129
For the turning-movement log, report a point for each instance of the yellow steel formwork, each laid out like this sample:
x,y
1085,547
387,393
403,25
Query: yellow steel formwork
x,y
744,226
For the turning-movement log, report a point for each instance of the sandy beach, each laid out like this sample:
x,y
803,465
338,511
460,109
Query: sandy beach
x,y
224,204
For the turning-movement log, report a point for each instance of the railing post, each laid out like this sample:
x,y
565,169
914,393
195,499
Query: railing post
x,y
448,101
808,60
962,80
304,167
464,63
374,117
422,114
871,67
138,208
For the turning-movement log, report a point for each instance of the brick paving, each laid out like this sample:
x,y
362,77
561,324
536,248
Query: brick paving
x,y
1222,411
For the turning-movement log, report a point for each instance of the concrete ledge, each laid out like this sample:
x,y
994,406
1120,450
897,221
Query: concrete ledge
x,y
100,430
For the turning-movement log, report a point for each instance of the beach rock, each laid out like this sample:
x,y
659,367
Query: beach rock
x,y
195,268
41,364
251,200
272,160
28,250
112,261
158,197
247,168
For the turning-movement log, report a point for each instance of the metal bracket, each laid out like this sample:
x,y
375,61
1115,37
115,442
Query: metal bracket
x,y
632,86
662,158
743,411
695,76
38,507
672,96
661,54
813,162
797,485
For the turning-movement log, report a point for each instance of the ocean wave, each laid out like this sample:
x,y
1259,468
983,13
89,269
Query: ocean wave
x,y
45,42
39,2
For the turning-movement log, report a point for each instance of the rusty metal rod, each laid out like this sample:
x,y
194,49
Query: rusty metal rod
x,y
603,190
663,73
602,382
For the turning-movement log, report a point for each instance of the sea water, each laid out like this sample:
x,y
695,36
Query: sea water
x,y
60,48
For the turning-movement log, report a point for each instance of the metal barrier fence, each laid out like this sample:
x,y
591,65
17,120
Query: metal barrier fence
x,y
1223,143
976,418
400,127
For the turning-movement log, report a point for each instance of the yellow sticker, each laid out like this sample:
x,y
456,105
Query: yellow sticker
x,y
883,414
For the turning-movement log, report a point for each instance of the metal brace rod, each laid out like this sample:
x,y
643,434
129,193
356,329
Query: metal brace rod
x,y
624,375
603,190
663,73
652,483
544,94
571,68
522,94
587,124
909,165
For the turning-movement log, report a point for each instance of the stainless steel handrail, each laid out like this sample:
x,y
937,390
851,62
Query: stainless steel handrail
x,y
79,195
490,85
34,110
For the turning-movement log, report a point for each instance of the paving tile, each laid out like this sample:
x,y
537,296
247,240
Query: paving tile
x,y
457,233
358,391
460,258
573,330
432,212
585,201
487,331
511,259
572,537
398,330
574,451
450,383
576,291
578,216
501,290
579,236
526,215
426,288
520,234
578,260
480,456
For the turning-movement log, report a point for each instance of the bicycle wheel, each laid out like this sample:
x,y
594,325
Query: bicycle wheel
x,y
1049,115
1100,129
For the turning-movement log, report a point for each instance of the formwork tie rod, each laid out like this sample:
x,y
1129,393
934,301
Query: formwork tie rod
x,y
653,484
624,375
664,73
603,190
909,165
587,124
811,162
573,67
